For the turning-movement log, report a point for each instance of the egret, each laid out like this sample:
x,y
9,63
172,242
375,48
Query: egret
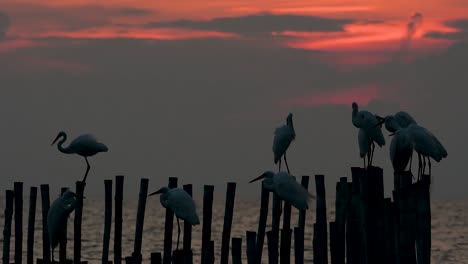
x,y
401,147
369,133
287,188
181,203
424,143
85,145
284,135
57,217
403,120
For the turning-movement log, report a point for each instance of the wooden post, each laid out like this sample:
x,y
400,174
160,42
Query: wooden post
x,y
45,234
320,244
188,255
119,184
285,248
229,209
299,245
388,230
340,220
272,237
275,223
9,199
206,229
77,224
31,222
423,220
18,189
211,258
333,251
137,258
156,258
236,250
168,227
302,213
355,252
374,204
63,240
265,197
250,237
107,220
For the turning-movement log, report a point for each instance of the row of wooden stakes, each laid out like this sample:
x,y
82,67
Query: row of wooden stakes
x,y
368,228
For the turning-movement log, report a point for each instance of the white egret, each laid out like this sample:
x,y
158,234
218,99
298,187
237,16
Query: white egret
x,y
287,188
403,120
284,135
401,147
423,142
369,133
85,145
181,203
57,217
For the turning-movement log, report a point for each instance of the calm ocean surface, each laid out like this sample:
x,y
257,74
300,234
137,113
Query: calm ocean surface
x,y
449,229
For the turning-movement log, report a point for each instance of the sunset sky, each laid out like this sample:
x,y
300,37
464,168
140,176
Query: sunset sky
x,y
194,89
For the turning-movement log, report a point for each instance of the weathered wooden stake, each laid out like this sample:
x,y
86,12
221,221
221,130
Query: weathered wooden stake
x,y
107,220
272,237
9,200
265,197
340,220
18,189
250,237
299,245
31,222
320,245
188,255
168,225
45,234
206,229
333,251
236,250
388,229
355,253
119,183
137,258
229,209
302,213
63,240
156,258
423,220
285,245
77,224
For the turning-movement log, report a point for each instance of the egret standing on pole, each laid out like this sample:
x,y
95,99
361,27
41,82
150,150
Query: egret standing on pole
x,y
181,203
85,145
287,188
57,218
284,135
369,133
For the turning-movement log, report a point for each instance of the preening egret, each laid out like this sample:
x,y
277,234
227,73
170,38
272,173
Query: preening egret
x,y
423,142
57,217
181,203
287,188
401,147
284,135
369,133
403,120
85,145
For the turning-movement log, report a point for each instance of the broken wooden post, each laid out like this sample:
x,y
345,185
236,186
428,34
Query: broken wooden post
x,y
229,209
31,224
9,200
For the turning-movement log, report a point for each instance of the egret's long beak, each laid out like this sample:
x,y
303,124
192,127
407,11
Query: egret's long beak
x,y
156,192
55,140
258,178
381,121
391,134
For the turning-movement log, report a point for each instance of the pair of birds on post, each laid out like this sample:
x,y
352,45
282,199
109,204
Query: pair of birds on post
x,y
408,136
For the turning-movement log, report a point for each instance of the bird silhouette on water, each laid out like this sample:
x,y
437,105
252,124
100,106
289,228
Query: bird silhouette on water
x,y
84,145
181,203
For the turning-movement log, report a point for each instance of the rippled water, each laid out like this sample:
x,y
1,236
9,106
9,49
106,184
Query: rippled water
x,y
449,229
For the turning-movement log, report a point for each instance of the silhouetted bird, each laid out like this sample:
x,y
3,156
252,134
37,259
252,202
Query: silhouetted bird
x,y
85,145
57,218
181,203
287,188
369,132
284,135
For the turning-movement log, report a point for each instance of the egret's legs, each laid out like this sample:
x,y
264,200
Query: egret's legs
x,y
279,165
429,161
424,166
410,161
364,159
419,165
87,169
178,234
372,153
286,162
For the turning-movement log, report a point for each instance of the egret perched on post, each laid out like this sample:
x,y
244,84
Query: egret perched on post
x,y
284,135
369,132
181,203
423,141
57,217
401,147
287,188
85,145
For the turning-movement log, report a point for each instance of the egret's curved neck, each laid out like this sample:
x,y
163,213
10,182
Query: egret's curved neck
x,y
60,147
